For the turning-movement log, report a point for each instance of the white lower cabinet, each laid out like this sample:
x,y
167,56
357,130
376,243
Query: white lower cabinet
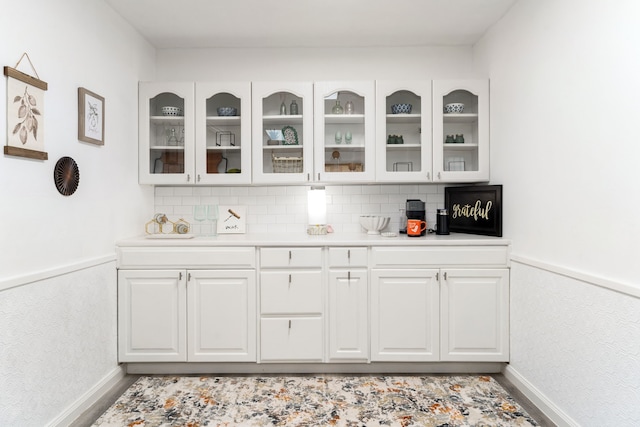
x,y
221,316
205,313
439,314
474,315
404,315
152,320
291,305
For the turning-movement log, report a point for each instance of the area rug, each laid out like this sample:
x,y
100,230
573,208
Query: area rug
x,y
324,400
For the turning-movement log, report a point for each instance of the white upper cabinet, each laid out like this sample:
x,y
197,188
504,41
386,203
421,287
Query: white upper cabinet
x,y
166,137
403,131
184,139
223,133
344,144
284,111
461,137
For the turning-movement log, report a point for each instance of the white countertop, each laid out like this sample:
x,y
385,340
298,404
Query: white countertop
x,y
303,239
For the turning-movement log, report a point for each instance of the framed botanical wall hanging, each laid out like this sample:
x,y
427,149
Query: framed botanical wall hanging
x,y
25,114
90,117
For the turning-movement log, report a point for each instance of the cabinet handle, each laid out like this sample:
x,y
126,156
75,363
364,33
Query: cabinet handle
x,y
318,176
188,178
349,277
349,255
437,276
188,277
439,175
289,256
308,177
445,275
289,323
198,177
289,280
428,175
180,276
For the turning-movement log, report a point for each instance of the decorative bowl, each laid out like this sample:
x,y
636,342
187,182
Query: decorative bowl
x,y
171,111
401,109
455,108
374,223
227,111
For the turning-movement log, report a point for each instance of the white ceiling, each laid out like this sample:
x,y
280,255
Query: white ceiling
x,y
310,23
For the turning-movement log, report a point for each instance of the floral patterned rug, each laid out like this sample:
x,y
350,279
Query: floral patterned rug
x,y
322,400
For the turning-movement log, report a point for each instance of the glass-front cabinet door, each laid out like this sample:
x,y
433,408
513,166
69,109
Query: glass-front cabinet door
x,y
461,130
282,132
166,139
344,129
223,133
403,131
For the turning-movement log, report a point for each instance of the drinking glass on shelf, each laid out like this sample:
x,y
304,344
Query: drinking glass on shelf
x,y
212,217
200,214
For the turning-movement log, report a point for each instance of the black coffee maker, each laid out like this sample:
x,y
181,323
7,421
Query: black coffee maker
x,y
416,210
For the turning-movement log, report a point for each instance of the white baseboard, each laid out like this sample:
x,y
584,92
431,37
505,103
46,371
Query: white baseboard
x,y
538,398
89,398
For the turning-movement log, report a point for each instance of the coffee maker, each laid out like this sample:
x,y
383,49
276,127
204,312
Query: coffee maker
x,y
416,210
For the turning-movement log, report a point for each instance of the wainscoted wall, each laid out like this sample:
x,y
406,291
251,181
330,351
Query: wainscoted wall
x,y
568,334
57,341
284,208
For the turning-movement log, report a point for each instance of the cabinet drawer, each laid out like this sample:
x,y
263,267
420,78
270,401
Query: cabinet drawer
x,y
440,256
295,292
290,257
348,257
186,257
291,339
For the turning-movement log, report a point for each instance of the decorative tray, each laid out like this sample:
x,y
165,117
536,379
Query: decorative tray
x,y
169,236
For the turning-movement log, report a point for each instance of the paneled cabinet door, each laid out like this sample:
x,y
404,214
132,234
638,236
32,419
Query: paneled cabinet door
x,y
348,315
152,323
461,139
404,315
223,136
344,129
475,315
165,133
403,131
287,155
221,315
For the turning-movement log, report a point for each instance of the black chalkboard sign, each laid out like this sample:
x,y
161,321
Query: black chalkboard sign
x,y
475,209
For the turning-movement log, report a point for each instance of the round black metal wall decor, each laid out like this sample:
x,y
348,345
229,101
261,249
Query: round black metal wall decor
x,y
66,176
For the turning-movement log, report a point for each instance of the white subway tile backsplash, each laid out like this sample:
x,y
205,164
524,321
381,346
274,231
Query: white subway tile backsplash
x,y
283,209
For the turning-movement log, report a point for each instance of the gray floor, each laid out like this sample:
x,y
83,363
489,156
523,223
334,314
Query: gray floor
x,y
93,413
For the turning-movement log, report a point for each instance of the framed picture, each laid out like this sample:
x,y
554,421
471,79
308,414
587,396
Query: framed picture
x,y
25,115
475,209
90,117
232,219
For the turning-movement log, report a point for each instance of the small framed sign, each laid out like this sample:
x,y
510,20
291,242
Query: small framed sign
x,y
232,219
90,117
475,209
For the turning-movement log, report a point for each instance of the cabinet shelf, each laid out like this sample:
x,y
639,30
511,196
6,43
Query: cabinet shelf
x,y
344,118
460,147
167,120
401,147
223,147
404,118
167,147
223,120
282,147
282,119
345,147
460,118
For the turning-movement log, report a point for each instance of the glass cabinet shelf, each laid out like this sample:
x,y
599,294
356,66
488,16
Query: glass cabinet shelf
x,y
283,120
344,118
403,118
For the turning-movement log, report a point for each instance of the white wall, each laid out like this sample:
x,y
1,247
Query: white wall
x,y
564,96
57,269
312,64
